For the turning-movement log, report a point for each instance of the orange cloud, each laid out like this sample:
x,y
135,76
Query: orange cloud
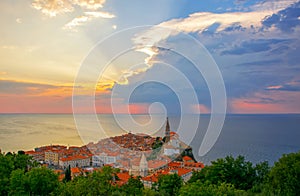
x,y
245,106
200,109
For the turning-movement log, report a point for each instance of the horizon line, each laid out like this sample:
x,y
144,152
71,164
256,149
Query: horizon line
x,y
291,113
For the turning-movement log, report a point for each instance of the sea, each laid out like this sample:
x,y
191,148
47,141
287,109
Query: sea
x,y
257,137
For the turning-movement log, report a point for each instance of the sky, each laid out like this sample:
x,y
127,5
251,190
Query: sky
x,y
55,51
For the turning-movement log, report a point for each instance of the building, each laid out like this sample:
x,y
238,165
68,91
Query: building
x,y
74,161
170,150
52,156
167,131
143,166
105,158
97,161
184,173
37,156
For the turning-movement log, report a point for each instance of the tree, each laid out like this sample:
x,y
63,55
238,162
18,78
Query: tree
x,y
41,181
134,186
150,192
206,189
284,177
18,183
237,172
22,161
68,176
96,183
6,167
262,171
169,184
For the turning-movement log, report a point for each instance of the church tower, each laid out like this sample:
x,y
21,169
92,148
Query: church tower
x,y
143,166
167,131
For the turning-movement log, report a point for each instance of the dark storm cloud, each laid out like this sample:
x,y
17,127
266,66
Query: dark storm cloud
x,y
286,20
254,46
261,63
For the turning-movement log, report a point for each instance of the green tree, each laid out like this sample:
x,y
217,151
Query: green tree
x,y
68,176
41,181
206,189
96,183
150,192
284,178
237,172
134,186
23,161
262,171
6,167
169,184
18,183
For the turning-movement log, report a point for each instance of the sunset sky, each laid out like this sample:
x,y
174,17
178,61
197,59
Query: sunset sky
x,y
44,43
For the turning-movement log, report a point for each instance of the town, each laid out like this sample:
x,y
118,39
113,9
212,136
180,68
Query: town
x,y
133,154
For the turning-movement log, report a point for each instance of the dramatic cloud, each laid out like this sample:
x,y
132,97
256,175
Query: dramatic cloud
x,y
286,20
55,7
249,48
215,22
274,5
253,46
88,16
90,9
9,87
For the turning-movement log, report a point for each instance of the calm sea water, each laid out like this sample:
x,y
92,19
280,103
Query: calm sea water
x,y
257,137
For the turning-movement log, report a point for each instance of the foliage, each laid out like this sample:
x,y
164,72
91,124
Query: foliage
x,y
10,162
41,181
284,178
206,189
157,144
237,172
19,175
169,184
134,186
68,176
96,183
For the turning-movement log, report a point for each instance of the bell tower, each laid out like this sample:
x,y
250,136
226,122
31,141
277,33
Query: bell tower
x,y
167,131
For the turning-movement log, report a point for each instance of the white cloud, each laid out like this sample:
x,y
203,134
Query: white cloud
x,y
100,14
78,21
273,5
53,7
90,4
88,16
201,21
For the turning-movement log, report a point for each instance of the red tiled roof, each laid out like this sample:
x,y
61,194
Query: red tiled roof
x,y
174,164
123,176
61,177
75,170
151,178
187,158
182,171
75,157
201,165
156,163
58,171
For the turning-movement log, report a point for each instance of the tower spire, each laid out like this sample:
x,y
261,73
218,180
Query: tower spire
x,y
167,132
